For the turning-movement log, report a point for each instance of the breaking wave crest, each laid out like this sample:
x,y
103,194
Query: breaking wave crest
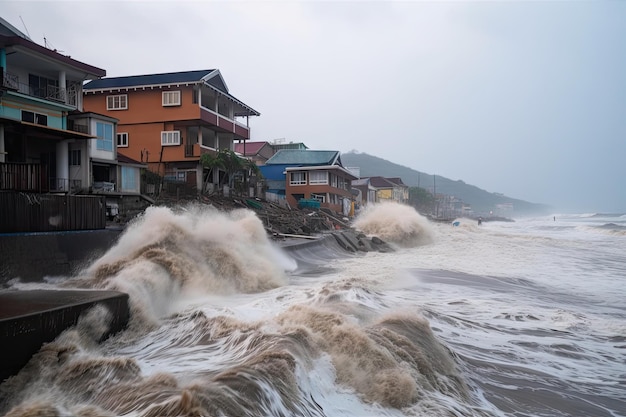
x,y
396,223
263,368
165,255
192,350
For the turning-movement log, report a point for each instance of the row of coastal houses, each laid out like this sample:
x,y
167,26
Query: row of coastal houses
x,y
74,141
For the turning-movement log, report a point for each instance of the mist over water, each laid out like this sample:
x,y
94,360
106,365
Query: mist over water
x,y
523,318
396,223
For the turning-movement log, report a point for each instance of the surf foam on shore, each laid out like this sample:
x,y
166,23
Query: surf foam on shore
x,y
396,223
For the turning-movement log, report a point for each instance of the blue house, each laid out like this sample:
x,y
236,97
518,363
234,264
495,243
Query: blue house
x,y
305,174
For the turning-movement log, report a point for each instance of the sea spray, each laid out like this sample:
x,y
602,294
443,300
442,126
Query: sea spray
x,y
165,255
396,223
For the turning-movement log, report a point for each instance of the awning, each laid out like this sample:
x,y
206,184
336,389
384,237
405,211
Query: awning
x,y
44,131
54,132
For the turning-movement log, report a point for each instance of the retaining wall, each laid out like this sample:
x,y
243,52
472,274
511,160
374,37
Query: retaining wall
x,y
32,256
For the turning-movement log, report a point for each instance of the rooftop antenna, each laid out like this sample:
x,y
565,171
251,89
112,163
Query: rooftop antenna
x,y
25,28
49,45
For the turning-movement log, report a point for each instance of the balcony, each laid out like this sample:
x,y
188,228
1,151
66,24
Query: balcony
x,y
24,177
77,127
67,96
192,150
224,123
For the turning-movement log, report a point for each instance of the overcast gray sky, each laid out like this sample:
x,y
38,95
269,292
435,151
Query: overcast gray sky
x,y
523,98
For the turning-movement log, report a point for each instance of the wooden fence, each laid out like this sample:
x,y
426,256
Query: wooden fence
x,y
29,212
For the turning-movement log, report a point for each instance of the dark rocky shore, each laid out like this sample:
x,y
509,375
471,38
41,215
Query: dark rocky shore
x,y
294,225
277,220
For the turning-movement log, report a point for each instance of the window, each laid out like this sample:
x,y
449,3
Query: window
x,y
318,177
171,98
75,157
129,179
42,87
122,140
319,197
104,131
37,118
119,102
297,178
170,138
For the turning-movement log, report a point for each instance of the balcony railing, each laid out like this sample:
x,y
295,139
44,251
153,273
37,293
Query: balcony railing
x,y
77,127
33,178
226,123
23,177
63,185
67,96
190,150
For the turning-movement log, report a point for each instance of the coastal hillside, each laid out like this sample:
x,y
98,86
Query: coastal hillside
x,y
481,201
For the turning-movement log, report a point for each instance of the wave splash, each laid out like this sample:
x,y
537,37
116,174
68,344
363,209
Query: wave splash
x,y
165,255
391,361
396,223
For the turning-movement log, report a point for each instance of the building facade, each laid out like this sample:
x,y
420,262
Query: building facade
x,y
310,175
40,149
258,152
167,121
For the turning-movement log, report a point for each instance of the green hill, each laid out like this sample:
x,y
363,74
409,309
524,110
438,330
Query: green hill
x,y
481,201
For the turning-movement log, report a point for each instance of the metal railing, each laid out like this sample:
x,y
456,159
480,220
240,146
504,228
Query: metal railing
x,y
64,185
77,127
23,177
52,93
189,150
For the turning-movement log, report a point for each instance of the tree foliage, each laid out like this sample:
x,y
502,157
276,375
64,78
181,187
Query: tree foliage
x,y
231,164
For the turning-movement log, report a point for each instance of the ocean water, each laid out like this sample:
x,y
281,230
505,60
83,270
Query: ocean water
x,y
524,318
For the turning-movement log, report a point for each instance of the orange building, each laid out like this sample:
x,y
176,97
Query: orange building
x,y
169,120
297,175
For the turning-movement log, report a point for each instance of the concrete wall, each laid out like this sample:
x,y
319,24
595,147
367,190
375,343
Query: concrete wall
x,y
33,256
28,319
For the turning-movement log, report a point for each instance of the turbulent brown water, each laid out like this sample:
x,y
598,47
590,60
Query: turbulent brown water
x,y
457,321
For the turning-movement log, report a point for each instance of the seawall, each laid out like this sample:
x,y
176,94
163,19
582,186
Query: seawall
x,y
33,256
28,319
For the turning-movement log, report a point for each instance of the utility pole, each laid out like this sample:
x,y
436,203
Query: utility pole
x,y
435,195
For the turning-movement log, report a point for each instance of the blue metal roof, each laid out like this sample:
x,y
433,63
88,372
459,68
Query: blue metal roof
x,y
150,79
304,157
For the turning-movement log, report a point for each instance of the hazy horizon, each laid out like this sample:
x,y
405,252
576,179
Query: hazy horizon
x,y
526,99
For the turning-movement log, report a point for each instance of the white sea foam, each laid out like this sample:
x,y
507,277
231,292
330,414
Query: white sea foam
x,y
533,304
394,222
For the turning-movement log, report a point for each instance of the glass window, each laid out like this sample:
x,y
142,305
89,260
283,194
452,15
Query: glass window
x,y
104,131
75,157
129,179
318,177
170,138
171,98
297,178
122,140
119,102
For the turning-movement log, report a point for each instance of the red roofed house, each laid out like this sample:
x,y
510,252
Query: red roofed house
x,y
258,152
